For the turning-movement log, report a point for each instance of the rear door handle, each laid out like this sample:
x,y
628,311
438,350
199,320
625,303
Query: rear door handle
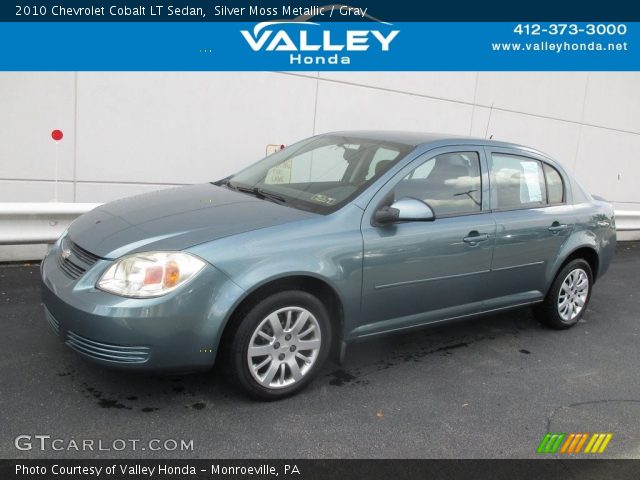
x,y
557,227
474,238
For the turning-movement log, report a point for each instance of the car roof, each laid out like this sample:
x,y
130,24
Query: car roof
x,y
423,138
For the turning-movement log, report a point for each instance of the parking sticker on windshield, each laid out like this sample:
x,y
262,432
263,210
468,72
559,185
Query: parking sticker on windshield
x,y
318,197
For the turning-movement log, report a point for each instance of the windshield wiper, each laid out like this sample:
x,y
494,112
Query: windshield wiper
x,y
257,192
270,196
226,183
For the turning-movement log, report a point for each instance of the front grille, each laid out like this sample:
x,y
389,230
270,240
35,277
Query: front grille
x,y
87,257
106,351
71,269
73,259
53,323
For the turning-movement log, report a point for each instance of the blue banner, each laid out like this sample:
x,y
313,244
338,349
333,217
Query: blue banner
x,y
318,45
252,11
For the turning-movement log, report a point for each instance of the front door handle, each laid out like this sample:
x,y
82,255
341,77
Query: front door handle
x,y
557,227
475,237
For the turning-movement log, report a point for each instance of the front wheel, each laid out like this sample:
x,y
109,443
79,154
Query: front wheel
x,y
279,345
568,297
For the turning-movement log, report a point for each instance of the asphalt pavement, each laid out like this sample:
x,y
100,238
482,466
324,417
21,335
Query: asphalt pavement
x,y
486,388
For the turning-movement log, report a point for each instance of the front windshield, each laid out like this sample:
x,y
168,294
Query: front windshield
x,y
320,174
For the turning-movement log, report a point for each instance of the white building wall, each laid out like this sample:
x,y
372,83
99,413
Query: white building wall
x,y
127,133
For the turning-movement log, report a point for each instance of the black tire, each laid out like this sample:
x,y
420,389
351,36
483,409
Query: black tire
x,y
549,311
244,327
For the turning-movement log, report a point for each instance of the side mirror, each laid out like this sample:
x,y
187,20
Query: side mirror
x,y
406,209
386,216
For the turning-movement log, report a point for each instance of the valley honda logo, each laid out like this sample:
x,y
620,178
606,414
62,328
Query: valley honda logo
x,y
312,45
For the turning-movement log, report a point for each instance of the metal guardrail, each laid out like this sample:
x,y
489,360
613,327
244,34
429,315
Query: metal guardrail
x,y
37,223
42,223
627,220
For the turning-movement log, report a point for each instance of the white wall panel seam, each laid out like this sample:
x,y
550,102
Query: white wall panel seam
x,y
580,125
462,102
475,97
315,105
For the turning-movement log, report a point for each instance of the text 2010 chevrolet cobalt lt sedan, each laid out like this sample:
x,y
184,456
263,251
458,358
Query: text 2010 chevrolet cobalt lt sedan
x,y
335,238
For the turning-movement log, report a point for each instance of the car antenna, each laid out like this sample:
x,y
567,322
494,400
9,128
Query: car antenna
x,y
486,130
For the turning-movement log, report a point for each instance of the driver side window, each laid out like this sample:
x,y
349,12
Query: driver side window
x,y
449,183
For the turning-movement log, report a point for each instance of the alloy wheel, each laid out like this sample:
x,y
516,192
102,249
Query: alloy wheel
x,y
284,347
573,294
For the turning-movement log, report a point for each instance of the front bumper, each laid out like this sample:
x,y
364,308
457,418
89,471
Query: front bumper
x,y
178,331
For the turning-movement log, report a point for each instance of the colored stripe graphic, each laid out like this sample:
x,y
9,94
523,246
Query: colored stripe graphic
x,y
598,443
567,443
581,443
573,443
550,443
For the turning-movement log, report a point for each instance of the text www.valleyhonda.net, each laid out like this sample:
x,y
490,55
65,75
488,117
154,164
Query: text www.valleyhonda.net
x,y
560,47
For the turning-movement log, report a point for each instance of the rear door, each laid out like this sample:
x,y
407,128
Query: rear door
x,y
533,220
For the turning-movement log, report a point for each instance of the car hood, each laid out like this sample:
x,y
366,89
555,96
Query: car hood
x,y
175,219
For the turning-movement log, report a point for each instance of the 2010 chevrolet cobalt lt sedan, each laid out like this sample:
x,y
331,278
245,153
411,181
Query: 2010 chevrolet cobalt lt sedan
x,y
336,238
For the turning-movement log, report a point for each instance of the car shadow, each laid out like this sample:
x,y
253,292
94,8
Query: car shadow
x,y
113,389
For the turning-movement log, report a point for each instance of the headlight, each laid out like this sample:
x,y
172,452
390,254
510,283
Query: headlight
x,y
149,274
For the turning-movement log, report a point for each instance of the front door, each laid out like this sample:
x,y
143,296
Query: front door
x,y
418,272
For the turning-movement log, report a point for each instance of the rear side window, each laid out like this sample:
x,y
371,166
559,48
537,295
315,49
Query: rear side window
x,y
519,182
555,187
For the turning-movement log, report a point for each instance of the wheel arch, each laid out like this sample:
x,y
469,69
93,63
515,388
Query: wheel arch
x,y
306,282
588,252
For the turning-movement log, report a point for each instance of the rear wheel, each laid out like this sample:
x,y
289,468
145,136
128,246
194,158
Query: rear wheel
x,y
568,297
279,345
